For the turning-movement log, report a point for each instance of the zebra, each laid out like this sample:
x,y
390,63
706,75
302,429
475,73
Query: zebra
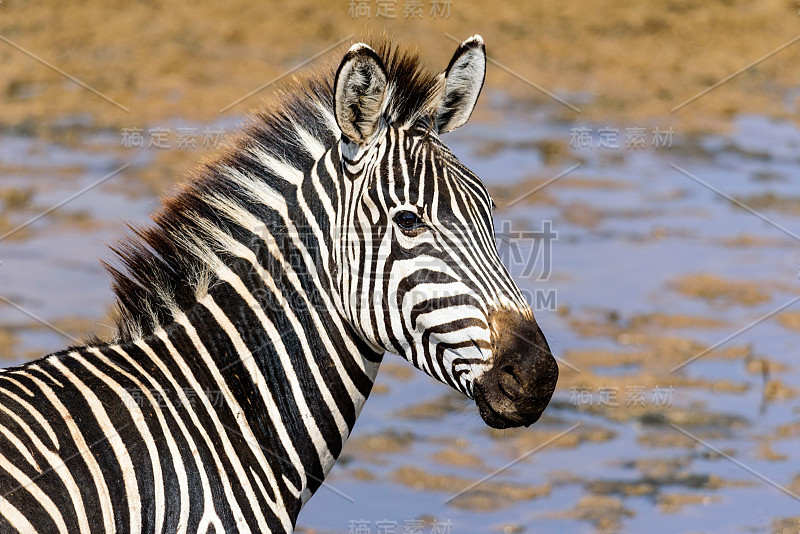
x,y
334,228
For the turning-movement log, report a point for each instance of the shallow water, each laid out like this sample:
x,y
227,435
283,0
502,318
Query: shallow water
x,y
634,234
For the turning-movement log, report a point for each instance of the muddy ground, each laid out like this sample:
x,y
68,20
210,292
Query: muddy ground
x,y
618,60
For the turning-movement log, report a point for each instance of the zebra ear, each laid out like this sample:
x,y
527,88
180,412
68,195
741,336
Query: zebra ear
x,y
359,93
463,82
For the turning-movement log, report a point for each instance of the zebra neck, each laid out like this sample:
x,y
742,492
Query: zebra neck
x,y
271,341
239,289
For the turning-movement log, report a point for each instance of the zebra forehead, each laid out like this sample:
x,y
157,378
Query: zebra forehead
x,y
457,184
431,160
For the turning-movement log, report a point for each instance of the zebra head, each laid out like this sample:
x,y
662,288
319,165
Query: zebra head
x,y
416,261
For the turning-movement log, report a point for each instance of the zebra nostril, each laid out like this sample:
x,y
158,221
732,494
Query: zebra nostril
x,y
509,370
510,381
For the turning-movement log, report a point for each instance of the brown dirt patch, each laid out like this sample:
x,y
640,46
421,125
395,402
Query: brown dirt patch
x,y
489,495
516,444
721,290
164,60
771,201
371,445
790,320
674,503
8,343
604,512
448,403
459,458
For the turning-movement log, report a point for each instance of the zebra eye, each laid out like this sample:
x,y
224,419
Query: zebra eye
x,y
408,220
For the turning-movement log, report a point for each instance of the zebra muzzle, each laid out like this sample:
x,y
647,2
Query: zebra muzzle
x,y
518,387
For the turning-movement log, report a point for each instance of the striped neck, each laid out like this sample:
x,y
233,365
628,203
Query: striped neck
x,y
267,335
265,330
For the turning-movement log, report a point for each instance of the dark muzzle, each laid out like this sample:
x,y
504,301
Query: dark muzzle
x,y
523,376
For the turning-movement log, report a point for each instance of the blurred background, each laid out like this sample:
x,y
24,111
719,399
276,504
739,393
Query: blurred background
x,y
645,159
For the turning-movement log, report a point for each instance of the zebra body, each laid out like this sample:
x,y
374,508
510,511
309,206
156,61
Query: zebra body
x,y
255,312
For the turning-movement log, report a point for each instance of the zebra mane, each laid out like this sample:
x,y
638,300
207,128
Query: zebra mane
x,y
169,265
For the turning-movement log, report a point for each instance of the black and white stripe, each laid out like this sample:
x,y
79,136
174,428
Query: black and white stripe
x,y
255,311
